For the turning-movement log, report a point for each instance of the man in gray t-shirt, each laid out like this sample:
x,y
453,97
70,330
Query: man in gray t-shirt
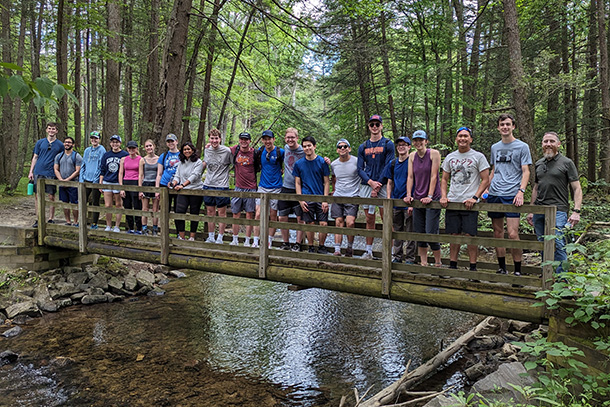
x,y
67,168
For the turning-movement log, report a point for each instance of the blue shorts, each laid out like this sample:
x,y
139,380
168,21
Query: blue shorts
x,y
507,200
68,194
217,201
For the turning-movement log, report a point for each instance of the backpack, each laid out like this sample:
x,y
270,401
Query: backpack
x,y
258,158
257,162
73,157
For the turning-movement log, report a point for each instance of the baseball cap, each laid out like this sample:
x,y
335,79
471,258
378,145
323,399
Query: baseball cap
x,y
375,117
342,140
95,134
405,139
245,135
420,134
116,137
132,143
171,136
268,133
464,128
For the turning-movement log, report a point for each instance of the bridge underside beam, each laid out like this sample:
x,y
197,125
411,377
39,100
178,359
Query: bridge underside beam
x,y
486,303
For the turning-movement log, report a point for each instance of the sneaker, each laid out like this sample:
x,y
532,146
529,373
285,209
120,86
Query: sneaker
x,y
234,242
155,231
312,249
501,271
338,254
94,226
145,230
108,229
296,247
131,231
68,224
219,240
517,273
138,232
349,252
255,245
116,229
50,221
210,240
180,237
396,260
191,239
322,250
285,246
409,262
367,256
75,225
35,225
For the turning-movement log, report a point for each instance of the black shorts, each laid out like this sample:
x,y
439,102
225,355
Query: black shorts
x,y
285,208
49,189
149,184
315,213
458,222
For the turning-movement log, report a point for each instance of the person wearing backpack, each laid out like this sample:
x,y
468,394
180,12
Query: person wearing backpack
x,y
90,172
67,167
245,181
167,165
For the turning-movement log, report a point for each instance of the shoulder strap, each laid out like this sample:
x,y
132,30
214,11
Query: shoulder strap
x,y
235,155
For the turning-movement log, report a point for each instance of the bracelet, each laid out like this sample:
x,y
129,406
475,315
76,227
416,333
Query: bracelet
x,y
430,196
522,190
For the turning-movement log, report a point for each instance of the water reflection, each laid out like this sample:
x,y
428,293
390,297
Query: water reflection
x,y
318,344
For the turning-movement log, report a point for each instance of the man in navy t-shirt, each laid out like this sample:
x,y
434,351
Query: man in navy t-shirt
x,y
312,177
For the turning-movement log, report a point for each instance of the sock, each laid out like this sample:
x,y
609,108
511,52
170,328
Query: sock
x,y
502,262
473,266
452,264
247,241
369,248
337,248
235,239
256,238
220,236
350,244
211,235
517,267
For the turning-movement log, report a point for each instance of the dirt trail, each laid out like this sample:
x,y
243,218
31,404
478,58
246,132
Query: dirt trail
x,y
19,211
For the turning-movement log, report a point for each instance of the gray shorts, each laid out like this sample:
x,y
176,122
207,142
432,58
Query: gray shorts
x,y
365,192
114,191
272,202
338,210
49,189
243,204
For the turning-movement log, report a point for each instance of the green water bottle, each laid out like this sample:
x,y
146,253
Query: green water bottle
x,y
31,187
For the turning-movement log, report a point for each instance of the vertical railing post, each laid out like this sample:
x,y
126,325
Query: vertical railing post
x,y
164,224
386,248
82,217
42,217
263,250
550,214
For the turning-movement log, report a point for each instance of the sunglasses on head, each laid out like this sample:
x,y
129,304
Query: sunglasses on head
x,y
465,128
374,124
343,146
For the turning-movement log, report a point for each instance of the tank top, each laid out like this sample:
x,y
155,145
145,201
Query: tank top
x,y
150,172
132,168
421,177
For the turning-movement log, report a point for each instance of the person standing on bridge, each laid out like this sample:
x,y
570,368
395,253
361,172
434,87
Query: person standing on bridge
x,y
396,173
218,160
148,177
510,161
311,177
346,182
245,181
67,167
423,183
43,159
129,174
167,165
90,172
469,173
271,159
555,174
187,176
373,155
109,175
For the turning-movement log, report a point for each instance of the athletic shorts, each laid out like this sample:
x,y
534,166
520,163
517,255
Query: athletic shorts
x,y
507,200
285,208
365,192
217,201
315,213
458,222
243,204
68,194
114,191
48,189
338,210
149,184
272,202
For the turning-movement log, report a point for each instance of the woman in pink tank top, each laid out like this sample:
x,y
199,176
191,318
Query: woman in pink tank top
x,y
129,173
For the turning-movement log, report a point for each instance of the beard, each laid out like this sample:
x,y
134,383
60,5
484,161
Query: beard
x,y
549,154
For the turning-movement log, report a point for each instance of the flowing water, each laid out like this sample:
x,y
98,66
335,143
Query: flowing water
x,y
217,340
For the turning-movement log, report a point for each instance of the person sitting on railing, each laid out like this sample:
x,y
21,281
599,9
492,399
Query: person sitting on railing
x,y
311,177
469,173
188,176
396,173
109,175
67,167
346,182
245,181
147,177
166,166
423,184
129,173
90,172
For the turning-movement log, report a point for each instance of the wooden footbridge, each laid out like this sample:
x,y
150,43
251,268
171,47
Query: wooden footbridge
x,y
483,291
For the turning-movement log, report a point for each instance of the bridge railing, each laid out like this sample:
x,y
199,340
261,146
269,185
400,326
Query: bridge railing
x,y
165,243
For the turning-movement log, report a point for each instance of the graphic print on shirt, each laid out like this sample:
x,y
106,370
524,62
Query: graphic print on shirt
x,y
462,170
113,163
242,160
504,156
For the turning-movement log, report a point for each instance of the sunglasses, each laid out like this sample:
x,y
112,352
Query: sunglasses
x,y
374,124
465,128
342,147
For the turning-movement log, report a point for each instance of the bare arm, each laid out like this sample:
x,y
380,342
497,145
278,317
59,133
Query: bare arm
x,y
34,160
575,216
444,184
57,173
525,177
409,198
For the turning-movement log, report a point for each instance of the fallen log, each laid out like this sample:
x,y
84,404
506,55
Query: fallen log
x,y
390,394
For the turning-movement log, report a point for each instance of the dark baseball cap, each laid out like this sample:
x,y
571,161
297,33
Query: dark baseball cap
x,y
116,137
405,139
268,133
171,136
95,134
132,144
245,135
375,117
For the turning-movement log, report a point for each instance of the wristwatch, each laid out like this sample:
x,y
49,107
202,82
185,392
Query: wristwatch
x,y
476,198
576,210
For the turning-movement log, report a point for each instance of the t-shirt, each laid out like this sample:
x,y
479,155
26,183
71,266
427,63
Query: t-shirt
x,y
245,174
347,180
507,160
169,161
68,163
131,168
290,158
46,153
90,170
401,171
218,164
465,170
271,169
109,168
312,173
553,178
373,156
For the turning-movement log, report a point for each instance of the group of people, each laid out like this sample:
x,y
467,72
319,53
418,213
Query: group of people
x,y
382,168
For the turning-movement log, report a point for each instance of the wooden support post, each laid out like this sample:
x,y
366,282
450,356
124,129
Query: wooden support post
x,y
550,214
42,217
164,224
264,237
386,248
82,218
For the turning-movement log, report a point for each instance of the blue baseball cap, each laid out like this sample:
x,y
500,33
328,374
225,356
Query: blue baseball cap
x,y
420,134
268,133
405,139
375,117
116,137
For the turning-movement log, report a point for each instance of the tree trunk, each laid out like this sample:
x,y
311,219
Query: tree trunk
x,y
111,107
128,73
567,90
517,75
388,78
151,80
553,116
62,63
590,113
605,90
78,129
7,129
471,80
360,63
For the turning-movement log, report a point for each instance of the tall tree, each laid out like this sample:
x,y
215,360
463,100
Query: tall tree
x,y
605,91
151,79
590,108
111,107
62,62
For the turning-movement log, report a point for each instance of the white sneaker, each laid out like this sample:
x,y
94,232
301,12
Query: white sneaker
x,y
116,229
191,239
210,240
367,256
234,242
108,229
255,244
219,240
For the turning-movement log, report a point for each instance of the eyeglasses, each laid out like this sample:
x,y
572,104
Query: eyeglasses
x,y
374,124
343,146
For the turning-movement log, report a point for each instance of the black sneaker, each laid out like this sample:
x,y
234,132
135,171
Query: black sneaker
x,y
35,225
296,247
517,273
312,249
50,221
501,271
322,250
396,260
285,246
349,252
